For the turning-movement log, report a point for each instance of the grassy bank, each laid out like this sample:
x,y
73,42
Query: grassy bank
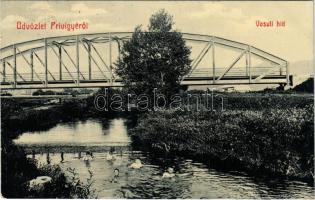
x,y
277,139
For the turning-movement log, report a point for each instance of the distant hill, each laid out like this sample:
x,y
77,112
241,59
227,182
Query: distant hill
x,y
306,86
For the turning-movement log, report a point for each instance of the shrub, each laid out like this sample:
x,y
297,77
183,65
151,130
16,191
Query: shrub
x,y
275,140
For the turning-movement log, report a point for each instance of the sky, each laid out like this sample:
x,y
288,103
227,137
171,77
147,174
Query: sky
x,y
231,20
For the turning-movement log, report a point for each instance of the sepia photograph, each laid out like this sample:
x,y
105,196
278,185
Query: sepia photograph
x,y
157,99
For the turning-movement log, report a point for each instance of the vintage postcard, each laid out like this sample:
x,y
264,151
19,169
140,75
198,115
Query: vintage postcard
x,y
157,99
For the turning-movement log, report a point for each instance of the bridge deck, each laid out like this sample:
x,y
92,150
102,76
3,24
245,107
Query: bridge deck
x,y
227,80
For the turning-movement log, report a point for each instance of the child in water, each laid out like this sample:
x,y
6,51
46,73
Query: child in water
x,y
169,173
88,156
116,175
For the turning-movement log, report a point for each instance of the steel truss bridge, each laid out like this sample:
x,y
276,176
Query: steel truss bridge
x,y
87,60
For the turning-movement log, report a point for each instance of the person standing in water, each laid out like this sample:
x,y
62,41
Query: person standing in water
x,y
62,158
87,158
116,175
48,158
110,156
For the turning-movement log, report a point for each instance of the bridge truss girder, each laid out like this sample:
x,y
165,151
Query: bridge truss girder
x,y
78,78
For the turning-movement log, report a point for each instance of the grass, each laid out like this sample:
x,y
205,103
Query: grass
x,y
251,135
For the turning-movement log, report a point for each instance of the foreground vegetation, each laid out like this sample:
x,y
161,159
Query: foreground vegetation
x,y
257,132
271,134
17,170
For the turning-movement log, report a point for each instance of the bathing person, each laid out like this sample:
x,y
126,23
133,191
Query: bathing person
x,y
48,158
169,173
61,156
128,194
33,154
136,165
88,156
116,172
110,156
116,175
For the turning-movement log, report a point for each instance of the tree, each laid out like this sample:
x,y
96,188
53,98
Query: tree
x,y
157,58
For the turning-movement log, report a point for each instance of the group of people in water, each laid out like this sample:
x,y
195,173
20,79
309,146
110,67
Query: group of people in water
x,y
169,173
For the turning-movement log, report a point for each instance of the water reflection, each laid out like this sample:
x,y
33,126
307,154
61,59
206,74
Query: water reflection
x,y
91,132
113,177
192,179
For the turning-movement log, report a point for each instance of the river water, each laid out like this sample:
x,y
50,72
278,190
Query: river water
x,y
192,179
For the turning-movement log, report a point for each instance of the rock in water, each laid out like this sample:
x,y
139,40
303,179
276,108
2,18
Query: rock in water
x,y
39,182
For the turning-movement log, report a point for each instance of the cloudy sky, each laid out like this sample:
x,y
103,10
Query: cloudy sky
x,y
231,20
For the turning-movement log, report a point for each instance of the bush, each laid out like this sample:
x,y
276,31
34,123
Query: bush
x,y
61,186
279,141
16,170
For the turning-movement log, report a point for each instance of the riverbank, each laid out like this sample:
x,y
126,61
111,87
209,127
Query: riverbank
x,y
18,116
17,119
17,170
272,135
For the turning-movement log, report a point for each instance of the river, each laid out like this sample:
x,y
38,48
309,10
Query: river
x,y
192,179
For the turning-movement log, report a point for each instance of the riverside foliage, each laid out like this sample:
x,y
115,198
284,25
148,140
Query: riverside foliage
x,y
16,169
272,140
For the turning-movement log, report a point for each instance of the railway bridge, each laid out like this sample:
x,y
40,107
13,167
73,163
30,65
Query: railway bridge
x,y
87,60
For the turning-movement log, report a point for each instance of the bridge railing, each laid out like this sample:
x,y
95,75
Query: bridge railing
x,y
255,71
56,76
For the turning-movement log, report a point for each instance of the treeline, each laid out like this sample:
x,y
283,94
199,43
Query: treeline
x,y
64,92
